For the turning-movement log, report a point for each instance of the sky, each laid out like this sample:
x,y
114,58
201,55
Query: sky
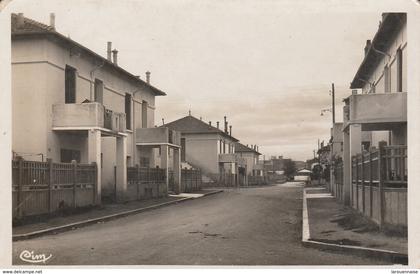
x,y
267,65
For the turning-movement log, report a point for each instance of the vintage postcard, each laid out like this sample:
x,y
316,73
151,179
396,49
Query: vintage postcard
x,y
211,133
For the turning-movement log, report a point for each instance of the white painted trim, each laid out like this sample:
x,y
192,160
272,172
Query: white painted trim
x,y
157,144
89,128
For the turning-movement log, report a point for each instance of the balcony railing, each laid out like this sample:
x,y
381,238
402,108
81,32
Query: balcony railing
x,y
231,158
160,135
87,115
376,108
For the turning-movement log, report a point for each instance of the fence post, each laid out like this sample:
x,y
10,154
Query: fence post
x,y
363,183
95,183
20,184
50,184
370,185
74,168
138,181
381,182
357,181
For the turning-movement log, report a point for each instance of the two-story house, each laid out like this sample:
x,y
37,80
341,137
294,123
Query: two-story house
x,y
210,149
378,105
255,170
70,103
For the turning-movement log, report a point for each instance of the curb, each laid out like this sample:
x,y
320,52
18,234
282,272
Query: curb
x,y
394,257
58,229
62,228
211,193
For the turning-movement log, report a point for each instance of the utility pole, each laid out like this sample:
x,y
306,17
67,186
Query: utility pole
x,y
333,103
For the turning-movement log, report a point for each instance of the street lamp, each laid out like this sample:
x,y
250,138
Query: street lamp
x,y
325,110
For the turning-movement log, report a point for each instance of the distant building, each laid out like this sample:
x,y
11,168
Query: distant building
x,y
211,149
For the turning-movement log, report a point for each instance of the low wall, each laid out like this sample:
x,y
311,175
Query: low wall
x,y
367,200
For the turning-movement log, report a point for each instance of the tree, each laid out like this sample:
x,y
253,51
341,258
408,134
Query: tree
x,y
289,168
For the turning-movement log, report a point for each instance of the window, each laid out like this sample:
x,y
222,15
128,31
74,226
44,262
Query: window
x,y
68,155
144,107
70,85
387,80
399,70
183,148
128,110
99,90
144,162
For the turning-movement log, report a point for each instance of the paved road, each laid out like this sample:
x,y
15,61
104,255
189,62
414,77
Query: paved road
x,y
254,226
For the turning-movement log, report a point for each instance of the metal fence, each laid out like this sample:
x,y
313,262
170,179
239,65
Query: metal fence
x,y
337,188
145,183
46,187
256,180
190,180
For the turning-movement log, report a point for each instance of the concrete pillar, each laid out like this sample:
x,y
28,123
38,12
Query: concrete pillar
x,y
164,161
177,170
352,146
346,169
121,172
94,155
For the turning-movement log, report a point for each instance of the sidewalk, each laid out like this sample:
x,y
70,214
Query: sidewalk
x,y
332,225
96,215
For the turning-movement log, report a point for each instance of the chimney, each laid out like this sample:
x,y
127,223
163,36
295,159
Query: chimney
x,y
209,123
230,130
226,124
20,20
115,57
217,123
367,47
108,51
163,121
52,20
148,77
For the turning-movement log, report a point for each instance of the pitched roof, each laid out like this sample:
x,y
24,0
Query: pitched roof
x,y
242,148
391,24
30,27
190,124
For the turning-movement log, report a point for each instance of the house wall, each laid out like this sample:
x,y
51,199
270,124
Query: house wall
x,y
202,151
377,76
251,160
38,79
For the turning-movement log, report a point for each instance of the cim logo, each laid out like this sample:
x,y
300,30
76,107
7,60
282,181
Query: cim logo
x,y
31,257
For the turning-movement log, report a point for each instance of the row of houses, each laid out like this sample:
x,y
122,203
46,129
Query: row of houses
x,y
367,152
84,125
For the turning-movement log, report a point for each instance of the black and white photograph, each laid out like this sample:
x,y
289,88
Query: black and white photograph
x,y
179,133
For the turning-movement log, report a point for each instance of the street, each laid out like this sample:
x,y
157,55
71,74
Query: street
x,y
248,226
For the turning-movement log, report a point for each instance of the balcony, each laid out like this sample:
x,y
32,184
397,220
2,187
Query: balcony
x,y
231,158
159,135
87,115
376,111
